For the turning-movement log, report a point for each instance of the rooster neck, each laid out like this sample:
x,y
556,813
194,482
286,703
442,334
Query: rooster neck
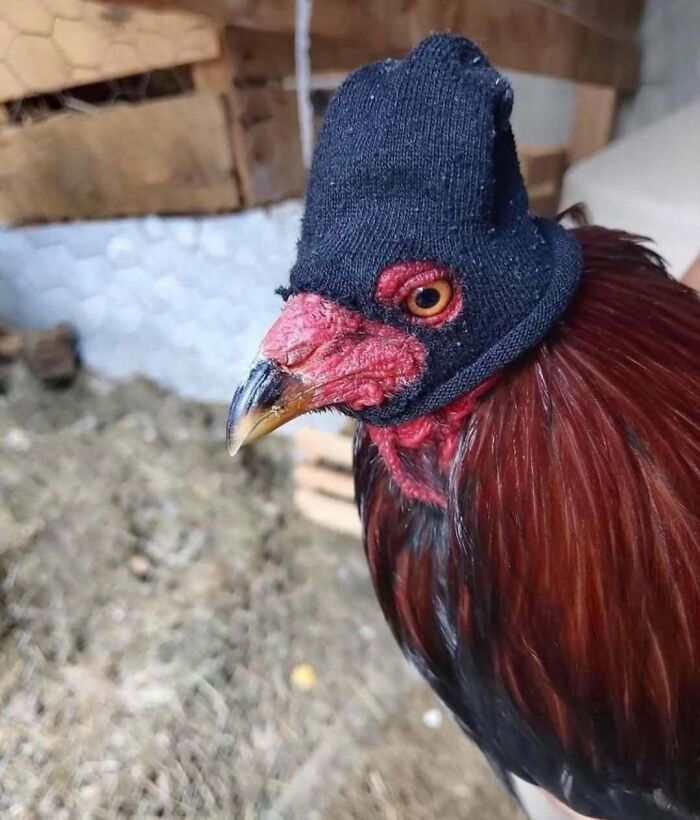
x,y
418,453
554,604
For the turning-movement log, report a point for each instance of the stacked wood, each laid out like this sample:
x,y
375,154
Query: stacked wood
x,y
590,41
324,487
225,135
63,157
264,110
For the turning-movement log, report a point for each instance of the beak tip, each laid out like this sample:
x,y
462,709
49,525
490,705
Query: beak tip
x,y
267,399
233,441
233,448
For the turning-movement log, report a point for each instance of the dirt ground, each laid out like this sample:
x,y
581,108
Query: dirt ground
x,y
156,598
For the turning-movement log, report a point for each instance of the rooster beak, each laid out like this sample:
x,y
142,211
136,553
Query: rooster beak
x,y
266,399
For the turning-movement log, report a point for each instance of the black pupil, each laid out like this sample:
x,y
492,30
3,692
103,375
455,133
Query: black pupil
x,y
427,298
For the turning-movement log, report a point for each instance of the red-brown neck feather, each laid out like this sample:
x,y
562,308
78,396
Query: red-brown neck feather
x,y
573,519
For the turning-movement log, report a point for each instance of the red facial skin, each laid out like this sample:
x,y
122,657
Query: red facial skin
x,y
344,357
348,359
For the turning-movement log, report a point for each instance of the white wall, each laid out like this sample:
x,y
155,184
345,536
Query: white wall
x,y
184,301
670,67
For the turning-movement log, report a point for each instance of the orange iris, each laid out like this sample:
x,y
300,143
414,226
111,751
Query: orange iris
x,y
429,299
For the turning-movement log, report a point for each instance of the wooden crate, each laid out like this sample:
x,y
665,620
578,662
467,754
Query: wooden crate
x,y
243,148
257,70
324,486
49,45
101,117
592,41
167,156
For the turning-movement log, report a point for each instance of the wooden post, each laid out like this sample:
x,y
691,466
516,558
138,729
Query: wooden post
x,y
564,38
594,117
542,167
219,75
263,124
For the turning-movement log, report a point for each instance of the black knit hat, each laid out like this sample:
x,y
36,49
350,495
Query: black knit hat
x,y
416,161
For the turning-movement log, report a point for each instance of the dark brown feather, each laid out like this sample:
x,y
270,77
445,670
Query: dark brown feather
x,y
555,605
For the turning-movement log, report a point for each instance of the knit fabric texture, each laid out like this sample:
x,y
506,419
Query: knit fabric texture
x,y
416,161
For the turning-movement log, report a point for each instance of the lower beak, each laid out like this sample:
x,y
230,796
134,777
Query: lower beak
x,y
268,398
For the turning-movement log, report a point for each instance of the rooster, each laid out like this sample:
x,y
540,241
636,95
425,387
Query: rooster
x,y
527,459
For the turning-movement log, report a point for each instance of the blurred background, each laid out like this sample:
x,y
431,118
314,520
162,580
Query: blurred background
x,y
182,635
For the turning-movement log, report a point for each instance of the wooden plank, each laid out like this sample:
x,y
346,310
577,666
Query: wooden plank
x,y
219,75
263,55
264,129
594,117
332,513
168,156
544,198
48,51
621,18
530,36
320,445
331,482
542,167
271,127
222,11
542,163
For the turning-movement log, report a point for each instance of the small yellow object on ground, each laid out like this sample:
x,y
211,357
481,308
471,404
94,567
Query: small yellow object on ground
x,y
304,677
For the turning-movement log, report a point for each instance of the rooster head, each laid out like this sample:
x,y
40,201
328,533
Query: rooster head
x,y
420,270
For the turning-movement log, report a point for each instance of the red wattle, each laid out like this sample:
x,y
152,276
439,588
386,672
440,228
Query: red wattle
x,y
438,431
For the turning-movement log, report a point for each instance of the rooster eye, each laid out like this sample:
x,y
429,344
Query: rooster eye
x,y
429,300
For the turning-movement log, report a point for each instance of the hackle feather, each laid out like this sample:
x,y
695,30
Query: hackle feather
x,y
556,604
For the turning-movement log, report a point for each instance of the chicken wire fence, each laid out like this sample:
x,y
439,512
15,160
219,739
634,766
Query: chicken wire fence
x,y
87,99
155,296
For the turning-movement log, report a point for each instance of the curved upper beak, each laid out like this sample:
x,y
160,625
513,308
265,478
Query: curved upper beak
x,y
266,399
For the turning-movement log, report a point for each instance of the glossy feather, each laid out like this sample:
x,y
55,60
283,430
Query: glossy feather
x,y
555,604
